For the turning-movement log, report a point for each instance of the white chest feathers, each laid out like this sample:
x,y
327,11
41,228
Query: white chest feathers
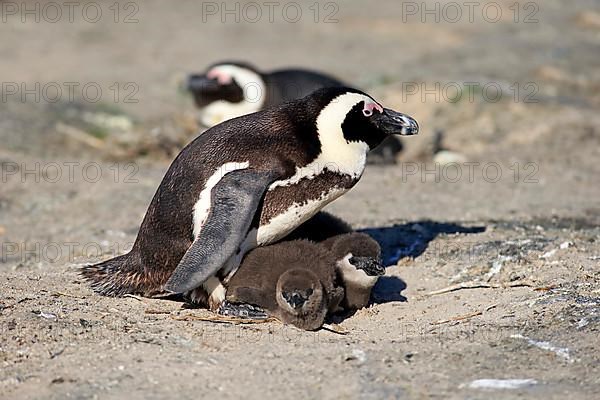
x,y
221,110
298,213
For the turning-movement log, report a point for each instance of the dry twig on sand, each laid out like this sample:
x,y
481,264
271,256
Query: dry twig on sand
x,y
151,311
220,319
133,296
479,285
59,294
463,317
335,329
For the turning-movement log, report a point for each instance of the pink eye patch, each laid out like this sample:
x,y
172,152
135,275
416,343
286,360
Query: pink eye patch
x,y
369,107
221,77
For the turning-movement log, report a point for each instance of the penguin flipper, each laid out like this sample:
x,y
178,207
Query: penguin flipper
x,y
235,200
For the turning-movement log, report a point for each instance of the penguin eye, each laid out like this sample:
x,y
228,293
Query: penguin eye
x,y
369,109
221,77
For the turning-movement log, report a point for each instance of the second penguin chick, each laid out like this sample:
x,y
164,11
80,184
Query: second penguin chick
x,y
294,281
358,262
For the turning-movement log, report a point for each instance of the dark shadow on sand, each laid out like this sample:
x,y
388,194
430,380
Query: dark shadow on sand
x,y
388,289
397,242
407,240
411,239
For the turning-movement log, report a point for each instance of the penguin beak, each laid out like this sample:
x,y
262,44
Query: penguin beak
x,y
201,84
394,123
370,266
295,300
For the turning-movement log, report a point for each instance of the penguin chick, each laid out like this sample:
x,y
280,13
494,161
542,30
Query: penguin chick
x,y
230,89
358,265
293,281
358,256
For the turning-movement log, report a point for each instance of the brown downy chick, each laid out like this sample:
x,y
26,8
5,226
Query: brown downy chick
x,y
293,281
358,261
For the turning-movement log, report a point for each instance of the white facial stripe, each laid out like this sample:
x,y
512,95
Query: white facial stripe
x,y
252,85
337,154
202,206
250,82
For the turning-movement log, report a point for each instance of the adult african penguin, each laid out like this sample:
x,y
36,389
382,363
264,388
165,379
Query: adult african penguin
x,y
230,89
244,183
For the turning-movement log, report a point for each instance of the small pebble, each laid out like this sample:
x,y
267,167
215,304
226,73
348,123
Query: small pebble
x,y
358,355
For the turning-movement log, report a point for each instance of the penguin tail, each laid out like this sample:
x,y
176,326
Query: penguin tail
x,y
114,277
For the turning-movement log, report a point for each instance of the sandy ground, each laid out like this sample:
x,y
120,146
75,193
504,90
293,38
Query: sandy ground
x,y
518,216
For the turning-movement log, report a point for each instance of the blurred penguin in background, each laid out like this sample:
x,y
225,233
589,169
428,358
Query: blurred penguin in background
x,y
232,89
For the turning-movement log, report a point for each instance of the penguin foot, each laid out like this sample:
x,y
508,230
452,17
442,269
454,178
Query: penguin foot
x,y
371,266
241,310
